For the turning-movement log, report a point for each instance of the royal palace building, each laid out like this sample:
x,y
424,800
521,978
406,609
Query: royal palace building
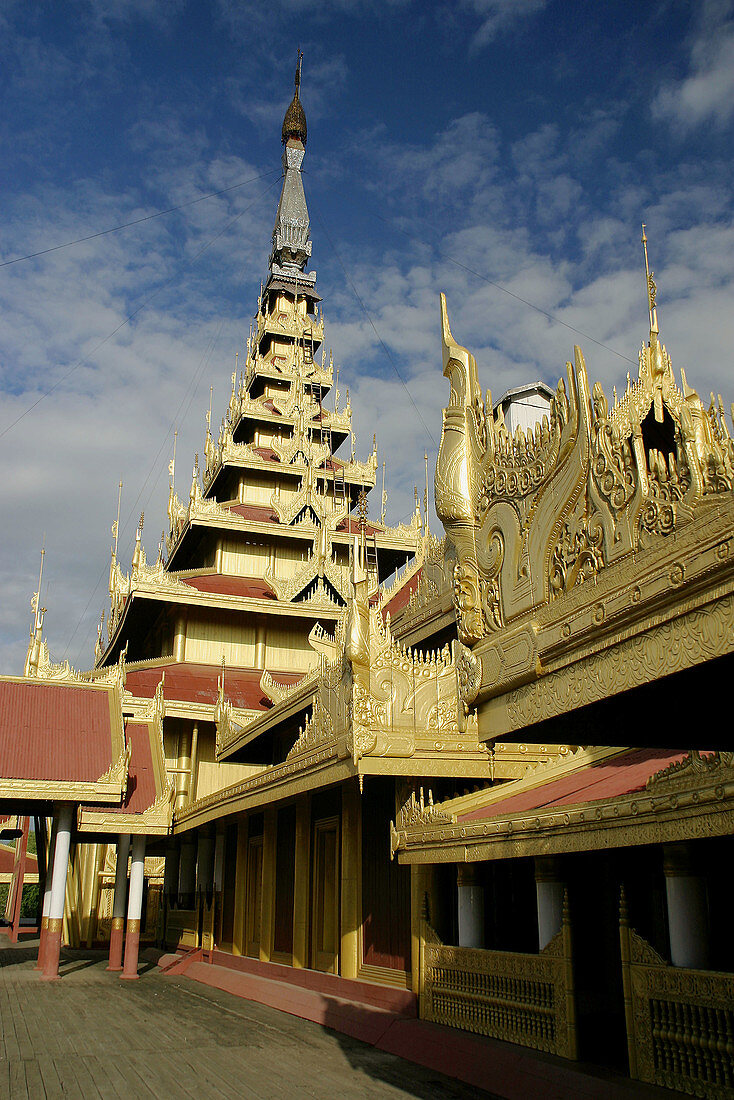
x,y
481,770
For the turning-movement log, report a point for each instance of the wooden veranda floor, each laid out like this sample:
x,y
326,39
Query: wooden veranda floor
x,y
91,1035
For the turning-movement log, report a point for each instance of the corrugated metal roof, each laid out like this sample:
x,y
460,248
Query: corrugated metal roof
x,y
402,596
267,453
226,585
55,732
259,513
199,684
7,861
623,774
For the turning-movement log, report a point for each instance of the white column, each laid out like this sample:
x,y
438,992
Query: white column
x,y
49,871
471,906
549,892
137,877
688,916
134,907
58,891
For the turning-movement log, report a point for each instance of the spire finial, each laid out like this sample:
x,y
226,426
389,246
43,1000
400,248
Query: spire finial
x,y
294,123
651,290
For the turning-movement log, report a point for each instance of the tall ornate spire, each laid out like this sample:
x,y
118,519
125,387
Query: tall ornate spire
x,y
291,235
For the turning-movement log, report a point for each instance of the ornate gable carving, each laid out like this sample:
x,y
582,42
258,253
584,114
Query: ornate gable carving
x,y
541,512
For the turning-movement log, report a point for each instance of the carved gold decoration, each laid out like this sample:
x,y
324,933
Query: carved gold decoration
x,y
680,643
688,800
679,1022
468,677
527,999
539,514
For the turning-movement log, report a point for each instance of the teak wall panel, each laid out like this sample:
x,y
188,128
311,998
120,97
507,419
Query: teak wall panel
x,y
385,884
209,638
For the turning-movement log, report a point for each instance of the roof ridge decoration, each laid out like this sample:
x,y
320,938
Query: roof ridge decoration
x,y
222,712
536,514
692,768
118,770
375,696
321,564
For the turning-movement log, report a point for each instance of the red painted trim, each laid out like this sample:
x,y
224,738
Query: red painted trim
x,y
117,937
51,955
132,946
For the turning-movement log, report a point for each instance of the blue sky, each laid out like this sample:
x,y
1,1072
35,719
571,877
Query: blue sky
x,y
452,146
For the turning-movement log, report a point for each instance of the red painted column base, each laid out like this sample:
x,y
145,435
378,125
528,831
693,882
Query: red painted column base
x,y
117,937
52,951
132,945
42,943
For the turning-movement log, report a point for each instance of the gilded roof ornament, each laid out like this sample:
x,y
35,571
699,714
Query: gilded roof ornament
x,y
539,513
294,123
652,289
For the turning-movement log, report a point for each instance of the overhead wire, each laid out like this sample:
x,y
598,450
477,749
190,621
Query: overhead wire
x,y
498,286
192,386
203,362
178,418
136,221
135,312
367,314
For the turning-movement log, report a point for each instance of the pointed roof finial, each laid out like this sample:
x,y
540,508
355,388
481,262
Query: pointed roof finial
x,y
294,123
651,291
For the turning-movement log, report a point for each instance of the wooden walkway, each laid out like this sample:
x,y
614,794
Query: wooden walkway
x,y
91,1035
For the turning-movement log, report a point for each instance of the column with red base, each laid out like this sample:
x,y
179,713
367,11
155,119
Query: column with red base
x,y
134,908
52,947
46,897
117,932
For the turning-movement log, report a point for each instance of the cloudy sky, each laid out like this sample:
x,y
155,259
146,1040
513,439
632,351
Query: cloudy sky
x,y
505,151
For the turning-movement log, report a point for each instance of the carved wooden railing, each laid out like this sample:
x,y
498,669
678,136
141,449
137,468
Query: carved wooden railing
x,y
680,1023
525,999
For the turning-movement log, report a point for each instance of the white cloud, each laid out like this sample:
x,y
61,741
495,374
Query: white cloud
x,y
496,16
530,217
706,94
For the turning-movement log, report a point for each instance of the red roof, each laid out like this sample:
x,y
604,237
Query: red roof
x,y
259,513
226,585
267,453
7,861
619,775
55,732
402,596
141,786
191,683
351,524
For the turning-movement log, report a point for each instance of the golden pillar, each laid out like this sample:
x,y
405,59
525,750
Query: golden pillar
x,y
420,893
183,767
350,916
267,907
301,893
97,862
240,893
